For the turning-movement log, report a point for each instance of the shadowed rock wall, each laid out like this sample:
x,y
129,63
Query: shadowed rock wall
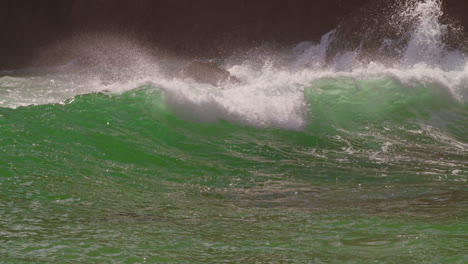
x,y
186,27
370,25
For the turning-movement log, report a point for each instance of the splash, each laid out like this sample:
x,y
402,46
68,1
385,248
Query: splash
x,y
272,83
426,44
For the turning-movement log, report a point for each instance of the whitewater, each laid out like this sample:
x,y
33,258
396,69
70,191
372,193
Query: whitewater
x,y
312,157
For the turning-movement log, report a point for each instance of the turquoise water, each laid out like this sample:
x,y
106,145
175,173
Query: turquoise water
x,y
376,175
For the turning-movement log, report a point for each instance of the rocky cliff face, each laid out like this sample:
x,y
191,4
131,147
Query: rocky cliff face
x,y
383,29
191,28
27,26
202,27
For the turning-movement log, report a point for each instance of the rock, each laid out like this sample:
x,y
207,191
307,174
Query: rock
x,y
382,29
203,28
207,73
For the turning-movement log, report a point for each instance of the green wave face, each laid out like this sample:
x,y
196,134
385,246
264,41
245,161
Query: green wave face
x,y
378,173
347,102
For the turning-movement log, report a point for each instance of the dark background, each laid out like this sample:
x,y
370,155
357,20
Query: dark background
x,y
186,27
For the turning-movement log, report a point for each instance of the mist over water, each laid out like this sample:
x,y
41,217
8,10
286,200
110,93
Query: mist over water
x,y
316,156
115,64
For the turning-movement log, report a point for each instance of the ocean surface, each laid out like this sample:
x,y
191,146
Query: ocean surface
x,y
305,160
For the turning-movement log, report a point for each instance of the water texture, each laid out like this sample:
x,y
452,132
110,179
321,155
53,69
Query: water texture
x,y
304,161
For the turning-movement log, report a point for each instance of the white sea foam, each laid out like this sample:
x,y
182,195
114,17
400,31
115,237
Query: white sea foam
x,y
271,92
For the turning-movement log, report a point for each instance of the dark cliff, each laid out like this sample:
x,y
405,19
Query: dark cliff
x,y
201,27
186,27
370,25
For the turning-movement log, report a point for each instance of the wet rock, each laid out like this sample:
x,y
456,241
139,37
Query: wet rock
x,y
202,28
382,29
207,73
205,28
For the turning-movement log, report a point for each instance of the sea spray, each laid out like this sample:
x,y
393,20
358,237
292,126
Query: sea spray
x,y
309,158
426,44
272,87
281,73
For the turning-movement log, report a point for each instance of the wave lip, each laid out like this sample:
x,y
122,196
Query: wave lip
x,y
273,84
